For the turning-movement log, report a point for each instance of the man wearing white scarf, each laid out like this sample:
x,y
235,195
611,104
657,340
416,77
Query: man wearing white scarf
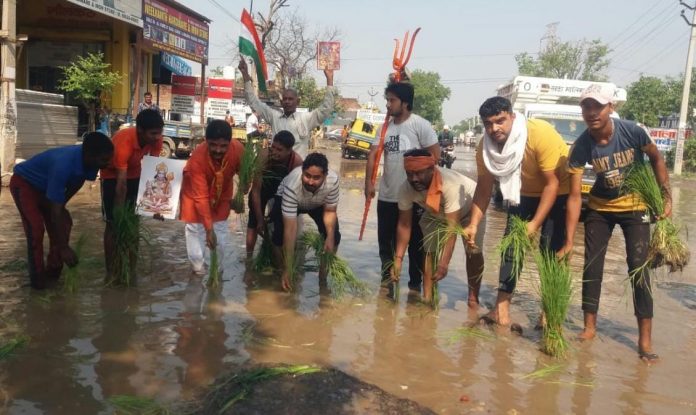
x,y
528,158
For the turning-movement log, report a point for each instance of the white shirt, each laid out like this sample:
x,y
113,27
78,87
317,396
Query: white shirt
x,y
297,199
414,132
457,193
252,124
299,124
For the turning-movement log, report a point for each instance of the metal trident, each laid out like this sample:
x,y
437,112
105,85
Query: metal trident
x,y
398,62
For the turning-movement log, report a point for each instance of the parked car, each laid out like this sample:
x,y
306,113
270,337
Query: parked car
x,y
334,134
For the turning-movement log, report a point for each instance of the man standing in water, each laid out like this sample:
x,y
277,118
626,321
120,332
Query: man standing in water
x,y
278,160
206,193
299,124
613,146
405,131
41,187
120,180
528,158
446,196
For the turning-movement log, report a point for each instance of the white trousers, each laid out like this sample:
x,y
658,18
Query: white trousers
x,y
196,247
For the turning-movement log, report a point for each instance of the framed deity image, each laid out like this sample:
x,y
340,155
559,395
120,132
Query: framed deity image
x,y
329,55
160,186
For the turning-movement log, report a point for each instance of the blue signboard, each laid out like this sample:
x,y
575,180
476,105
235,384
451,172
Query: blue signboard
x,y
175,64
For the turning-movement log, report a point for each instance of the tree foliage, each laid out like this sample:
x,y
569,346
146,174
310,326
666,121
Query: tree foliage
x,y
584,59
650,97
88,79
430,93
290,42
311,95
217,72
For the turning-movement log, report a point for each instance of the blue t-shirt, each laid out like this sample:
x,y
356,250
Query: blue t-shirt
x,y
610,163
54,170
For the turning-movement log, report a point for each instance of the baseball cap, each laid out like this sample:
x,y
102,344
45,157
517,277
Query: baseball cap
x,y
446,127
602,93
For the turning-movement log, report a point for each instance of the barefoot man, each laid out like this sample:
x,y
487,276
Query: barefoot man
x,y
528,158
446,196
612,146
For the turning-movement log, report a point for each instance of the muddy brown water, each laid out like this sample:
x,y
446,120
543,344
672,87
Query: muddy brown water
x,y
169,335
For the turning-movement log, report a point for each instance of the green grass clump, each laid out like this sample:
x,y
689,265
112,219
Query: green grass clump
x,y
341,277
214,277
250,167
9,348
666,246
516,243
555,290
71,275
544,372
128,234
457,335
243,383
137,405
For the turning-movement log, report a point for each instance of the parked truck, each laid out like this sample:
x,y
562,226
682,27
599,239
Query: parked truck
x,y
556,101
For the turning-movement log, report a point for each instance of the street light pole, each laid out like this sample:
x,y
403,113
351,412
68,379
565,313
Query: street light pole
x,y
679,152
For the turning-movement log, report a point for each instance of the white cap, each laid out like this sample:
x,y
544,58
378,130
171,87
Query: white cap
x,y
602,93
446,127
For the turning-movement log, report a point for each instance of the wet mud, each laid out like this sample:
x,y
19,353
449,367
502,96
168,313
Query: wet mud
x,y
169,337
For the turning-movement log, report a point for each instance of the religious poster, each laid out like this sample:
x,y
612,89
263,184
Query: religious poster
x,y
160,186
329,55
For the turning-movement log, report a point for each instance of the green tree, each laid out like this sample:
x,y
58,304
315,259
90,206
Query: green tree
x,y
216,72
88,79
429,95
650,97
584,59
310,94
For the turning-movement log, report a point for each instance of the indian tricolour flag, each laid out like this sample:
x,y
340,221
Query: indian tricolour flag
x,y
250,45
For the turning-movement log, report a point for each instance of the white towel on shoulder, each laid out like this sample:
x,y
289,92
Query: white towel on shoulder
x,y
506,164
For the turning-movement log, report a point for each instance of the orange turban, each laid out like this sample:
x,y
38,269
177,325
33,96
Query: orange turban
x,y
432,199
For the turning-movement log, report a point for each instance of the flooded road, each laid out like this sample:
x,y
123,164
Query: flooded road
x,y
169,336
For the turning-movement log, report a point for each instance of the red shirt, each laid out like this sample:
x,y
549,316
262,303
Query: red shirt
x,y
200,202
128,154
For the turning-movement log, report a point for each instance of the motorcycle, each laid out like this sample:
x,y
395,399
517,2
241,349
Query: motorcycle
x,y
447,156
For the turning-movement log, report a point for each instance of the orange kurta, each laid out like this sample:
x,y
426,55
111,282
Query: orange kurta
x,y
199,201
128,154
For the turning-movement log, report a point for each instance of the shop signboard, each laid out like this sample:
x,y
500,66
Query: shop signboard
x,y
219,97
184,90
130,11
170,30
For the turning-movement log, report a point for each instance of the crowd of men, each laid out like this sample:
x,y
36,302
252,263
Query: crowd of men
x,y
538,175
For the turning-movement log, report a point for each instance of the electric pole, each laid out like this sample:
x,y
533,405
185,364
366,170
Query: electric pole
x,y
679,152
8,103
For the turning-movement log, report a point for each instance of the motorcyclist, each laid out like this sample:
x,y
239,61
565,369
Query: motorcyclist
x,y
446,141
445,137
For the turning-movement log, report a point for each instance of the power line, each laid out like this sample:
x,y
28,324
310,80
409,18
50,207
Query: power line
x,y
641,41
657,3
637,31
224,10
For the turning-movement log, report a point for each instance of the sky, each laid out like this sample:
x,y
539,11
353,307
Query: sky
x,y
472,43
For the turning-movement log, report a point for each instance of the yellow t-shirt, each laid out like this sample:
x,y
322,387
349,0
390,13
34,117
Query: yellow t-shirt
x,y
545,151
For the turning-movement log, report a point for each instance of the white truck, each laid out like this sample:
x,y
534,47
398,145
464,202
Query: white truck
x,y
556,101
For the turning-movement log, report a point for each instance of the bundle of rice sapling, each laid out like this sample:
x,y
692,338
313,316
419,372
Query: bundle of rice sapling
x,y
71,281
250,167
341,277
214,277
555,290
516,242
666,247
128,234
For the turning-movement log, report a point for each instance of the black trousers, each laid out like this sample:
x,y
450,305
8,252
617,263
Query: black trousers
x,y
553,234
317,215
636,230
387,221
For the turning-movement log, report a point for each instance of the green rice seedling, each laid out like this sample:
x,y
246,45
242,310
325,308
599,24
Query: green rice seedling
x,y
516,243
393,286
556,290
9,348
128,235
544,372
666,246
250,167
457,335
214,277
71,275
341,277
243,383
137,405
264,259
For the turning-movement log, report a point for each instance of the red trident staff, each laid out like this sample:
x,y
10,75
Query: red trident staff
x,y
398,63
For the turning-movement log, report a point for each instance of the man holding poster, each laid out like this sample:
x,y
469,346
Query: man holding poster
x,y
207,191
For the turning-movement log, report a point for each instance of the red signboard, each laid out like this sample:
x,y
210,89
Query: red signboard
x,y
185,85
220,88
168,29
670,133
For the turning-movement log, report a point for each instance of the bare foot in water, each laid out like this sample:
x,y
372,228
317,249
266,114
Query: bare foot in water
x,y
586,335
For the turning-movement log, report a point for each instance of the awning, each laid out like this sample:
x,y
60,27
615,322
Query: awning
x,y
175,64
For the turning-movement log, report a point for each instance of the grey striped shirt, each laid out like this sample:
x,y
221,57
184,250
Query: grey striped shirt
x,y
298,200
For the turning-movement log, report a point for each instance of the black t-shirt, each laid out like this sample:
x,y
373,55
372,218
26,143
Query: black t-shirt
x,y
610,163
